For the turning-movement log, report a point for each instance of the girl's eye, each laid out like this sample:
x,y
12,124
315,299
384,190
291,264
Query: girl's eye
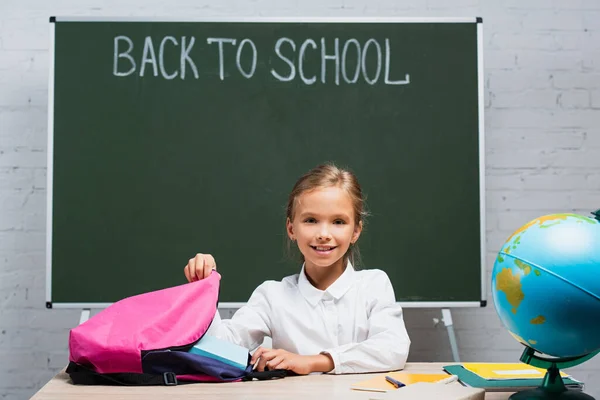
x,y
339,222
310,220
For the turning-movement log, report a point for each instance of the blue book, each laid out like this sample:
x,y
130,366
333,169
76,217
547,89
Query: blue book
x,y
222,350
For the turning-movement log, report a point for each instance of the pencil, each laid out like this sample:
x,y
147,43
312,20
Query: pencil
x,y
450,379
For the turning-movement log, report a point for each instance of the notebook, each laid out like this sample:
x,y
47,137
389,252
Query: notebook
x,y
222,350
379,384
504,385
507,370
432,391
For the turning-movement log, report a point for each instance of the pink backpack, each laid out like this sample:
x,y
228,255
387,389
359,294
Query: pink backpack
x,y
144,340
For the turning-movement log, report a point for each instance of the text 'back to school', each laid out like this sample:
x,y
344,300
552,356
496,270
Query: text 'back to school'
x,y
310,61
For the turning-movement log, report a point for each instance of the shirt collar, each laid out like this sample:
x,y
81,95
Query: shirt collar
x,y
336,290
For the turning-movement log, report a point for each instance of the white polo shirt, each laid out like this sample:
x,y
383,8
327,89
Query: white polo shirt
x,y
356,320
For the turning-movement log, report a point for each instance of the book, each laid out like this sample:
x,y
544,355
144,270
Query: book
x,y
222,350
471,379
380,384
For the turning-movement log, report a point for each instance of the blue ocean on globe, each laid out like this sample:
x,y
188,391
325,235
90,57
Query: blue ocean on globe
x,y
546,285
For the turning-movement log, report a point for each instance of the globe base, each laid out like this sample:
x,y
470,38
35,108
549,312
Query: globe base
x,y
541,393
552,387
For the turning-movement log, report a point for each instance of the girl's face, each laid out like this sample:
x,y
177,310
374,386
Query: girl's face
x,y
324,227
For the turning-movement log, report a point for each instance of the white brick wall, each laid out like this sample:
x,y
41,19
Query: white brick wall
x,y
542,60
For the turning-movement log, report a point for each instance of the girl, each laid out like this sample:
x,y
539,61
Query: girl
x,y
329,317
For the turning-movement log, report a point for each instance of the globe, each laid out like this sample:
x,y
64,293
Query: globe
x,y
546,291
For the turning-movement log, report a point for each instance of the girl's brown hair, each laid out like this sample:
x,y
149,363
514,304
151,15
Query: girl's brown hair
x,y
329,175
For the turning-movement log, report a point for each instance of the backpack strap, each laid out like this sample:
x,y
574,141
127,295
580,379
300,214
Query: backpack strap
x,y
81,375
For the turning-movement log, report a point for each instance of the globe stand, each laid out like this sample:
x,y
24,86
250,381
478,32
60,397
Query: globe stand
x,y
552,387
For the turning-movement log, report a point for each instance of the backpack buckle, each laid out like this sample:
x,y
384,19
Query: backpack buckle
x,y
170,379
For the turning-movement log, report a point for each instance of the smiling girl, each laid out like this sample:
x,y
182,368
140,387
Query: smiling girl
x,y
329,317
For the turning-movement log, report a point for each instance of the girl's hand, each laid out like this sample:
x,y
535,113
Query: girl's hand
x,y
280,359
199,267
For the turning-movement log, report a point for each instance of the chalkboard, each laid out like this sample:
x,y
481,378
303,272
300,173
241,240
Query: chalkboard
x,y
168,138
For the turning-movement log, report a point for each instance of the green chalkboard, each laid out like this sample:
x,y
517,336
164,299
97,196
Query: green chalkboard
x,y
169,138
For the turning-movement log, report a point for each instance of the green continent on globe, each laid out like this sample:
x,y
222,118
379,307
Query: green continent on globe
x,y
526,268
540,319
510,284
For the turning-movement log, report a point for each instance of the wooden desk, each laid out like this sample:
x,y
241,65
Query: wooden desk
x,y
300,387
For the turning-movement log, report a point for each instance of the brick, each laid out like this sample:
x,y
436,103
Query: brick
x,y
530,99
24,200
33,379
518,81
575,80
531,139
549,61
529,200
40,318
529,5
504,19
15,261
57,340
593,181
567,40
22,156
590,20
421,339
590,61
19,241
590,41
12,200
58,360
582,5
500,59
511,40
547,179
11,221
484,354
542,119
589,200
15,179
18,360
553,180
551,20
436,4
389,4
584,159
443,354
595,98
520,158
35,222
475,320
472,339
39,178
16,394
23,127
589,4
25,34
578,98
20,94
22,291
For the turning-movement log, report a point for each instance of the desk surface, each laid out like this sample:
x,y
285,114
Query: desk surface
x,y
299,387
